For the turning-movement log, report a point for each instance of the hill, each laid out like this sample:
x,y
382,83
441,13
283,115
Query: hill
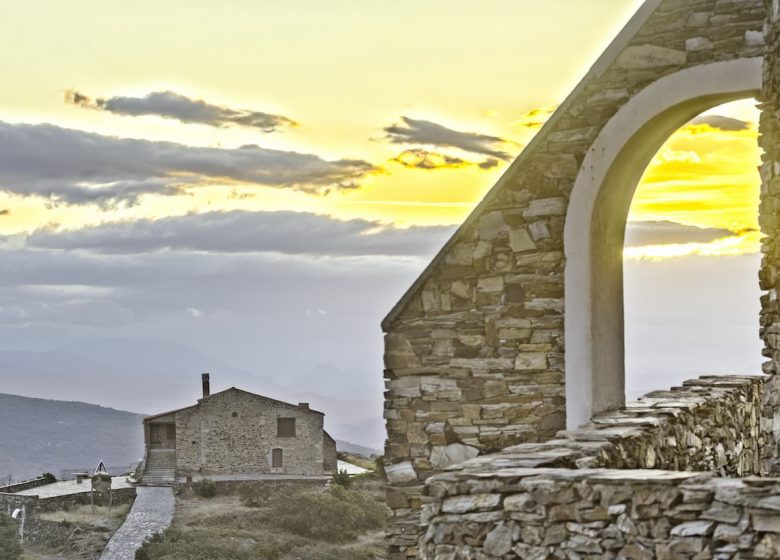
x,y
38,435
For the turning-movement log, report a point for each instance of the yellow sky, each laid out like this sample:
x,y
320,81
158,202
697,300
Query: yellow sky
x,y
345,70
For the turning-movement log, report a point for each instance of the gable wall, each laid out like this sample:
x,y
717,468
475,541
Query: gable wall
x,y
209,440
475,357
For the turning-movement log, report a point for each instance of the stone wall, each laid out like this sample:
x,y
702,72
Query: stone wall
x,y
769,218
546,514
474,352
709,424
551,500
26,485
235,431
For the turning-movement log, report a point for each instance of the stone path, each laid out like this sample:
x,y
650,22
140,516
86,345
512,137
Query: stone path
x,y
152,512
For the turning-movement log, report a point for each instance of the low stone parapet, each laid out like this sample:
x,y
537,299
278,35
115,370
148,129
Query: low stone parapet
x,y
544,513
625,485
709,424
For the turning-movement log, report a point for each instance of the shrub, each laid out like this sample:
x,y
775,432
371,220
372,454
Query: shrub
x,y
255,495
379,461
342,479
48,477
205,488
10,549
335,515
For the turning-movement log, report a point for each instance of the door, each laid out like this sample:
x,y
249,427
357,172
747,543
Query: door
x,y
276,459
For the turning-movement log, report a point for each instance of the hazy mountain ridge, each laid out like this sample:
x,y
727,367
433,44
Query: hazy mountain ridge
x,y
38,435
153,376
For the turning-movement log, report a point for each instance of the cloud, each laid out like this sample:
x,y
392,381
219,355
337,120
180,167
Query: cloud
x,y
535,118
76,167
292,233
172,105
423,159
720,122
415,131
5,212
639,234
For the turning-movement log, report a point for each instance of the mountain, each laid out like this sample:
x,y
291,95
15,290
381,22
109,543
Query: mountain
x,y
39,435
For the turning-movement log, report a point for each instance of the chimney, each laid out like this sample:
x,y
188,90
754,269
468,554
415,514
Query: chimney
x,y
303,405
206,385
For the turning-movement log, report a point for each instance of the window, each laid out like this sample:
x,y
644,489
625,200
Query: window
x,y
235,415
276,458
171,431
285,427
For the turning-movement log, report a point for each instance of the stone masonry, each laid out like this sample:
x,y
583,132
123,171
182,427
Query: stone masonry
x,y
769,217
474,352
235,431
566,498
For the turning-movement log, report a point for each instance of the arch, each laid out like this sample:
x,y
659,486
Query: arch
x,y
596,219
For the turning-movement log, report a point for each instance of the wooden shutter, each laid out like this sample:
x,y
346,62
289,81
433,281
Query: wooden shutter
x,y
276,459
285,427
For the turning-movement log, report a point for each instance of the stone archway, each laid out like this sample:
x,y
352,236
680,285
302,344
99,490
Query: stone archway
x,y
596,219
492,345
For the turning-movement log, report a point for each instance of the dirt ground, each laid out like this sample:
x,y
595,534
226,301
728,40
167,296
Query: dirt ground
x,y
88,535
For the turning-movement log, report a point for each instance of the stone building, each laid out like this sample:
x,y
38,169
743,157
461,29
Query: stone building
x,y
512,339
237,432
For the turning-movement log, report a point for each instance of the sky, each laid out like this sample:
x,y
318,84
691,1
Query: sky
x,y
263,180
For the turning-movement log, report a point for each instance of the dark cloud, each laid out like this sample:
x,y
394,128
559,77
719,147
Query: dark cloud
x,y
293,233
4,212
640,234
172,105
77,167
489,163
423,159
722,123
415,131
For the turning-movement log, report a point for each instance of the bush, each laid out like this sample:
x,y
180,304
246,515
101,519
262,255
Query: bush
x,y
255,495
48,477
10,549
342,479
205,488
335,515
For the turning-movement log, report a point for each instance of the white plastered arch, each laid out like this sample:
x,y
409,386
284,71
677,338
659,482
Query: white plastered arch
x,y
596,217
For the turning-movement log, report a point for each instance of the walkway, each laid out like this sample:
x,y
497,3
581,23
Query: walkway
x,y
152,512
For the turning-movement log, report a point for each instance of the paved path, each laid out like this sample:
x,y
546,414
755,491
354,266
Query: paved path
x,y
152,512
252,476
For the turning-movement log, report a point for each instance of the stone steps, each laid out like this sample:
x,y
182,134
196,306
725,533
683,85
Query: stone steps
x,y
160,468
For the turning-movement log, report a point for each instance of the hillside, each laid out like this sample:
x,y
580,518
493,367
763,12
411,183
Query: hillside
x,y
38,435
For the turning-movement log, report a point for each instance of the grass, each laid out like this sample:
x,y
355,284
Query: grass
x,y
82,515
289,523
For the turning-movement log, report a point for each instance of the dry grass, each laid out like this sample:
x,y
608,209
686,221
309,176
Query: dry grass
x,y
82,515
225,529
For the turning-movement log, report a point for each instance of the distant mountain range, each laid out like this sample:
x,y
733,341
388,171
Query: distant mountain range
x,y
152,376
38,435
41,435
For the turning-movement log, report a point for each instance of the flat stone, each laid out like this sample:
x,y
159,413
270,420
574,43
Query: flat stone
x,y
399,473
695,44
520,241
531,361
498,541
470,502
452,454
692,529
642,57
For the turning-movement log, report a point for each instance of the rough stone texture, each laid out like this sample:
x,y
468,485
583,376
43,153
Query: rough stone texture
x,y
235,432
152,512
709,424
551,514
474,351
769,219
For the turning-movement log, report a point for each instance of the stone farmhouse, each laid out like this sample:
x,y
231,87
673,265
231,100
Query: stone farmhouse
x,y
237,432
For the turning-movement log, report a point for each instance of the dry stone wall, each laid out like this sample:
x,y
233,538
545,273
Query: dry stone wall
x,y
474,353
583,495
550,514
769,217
